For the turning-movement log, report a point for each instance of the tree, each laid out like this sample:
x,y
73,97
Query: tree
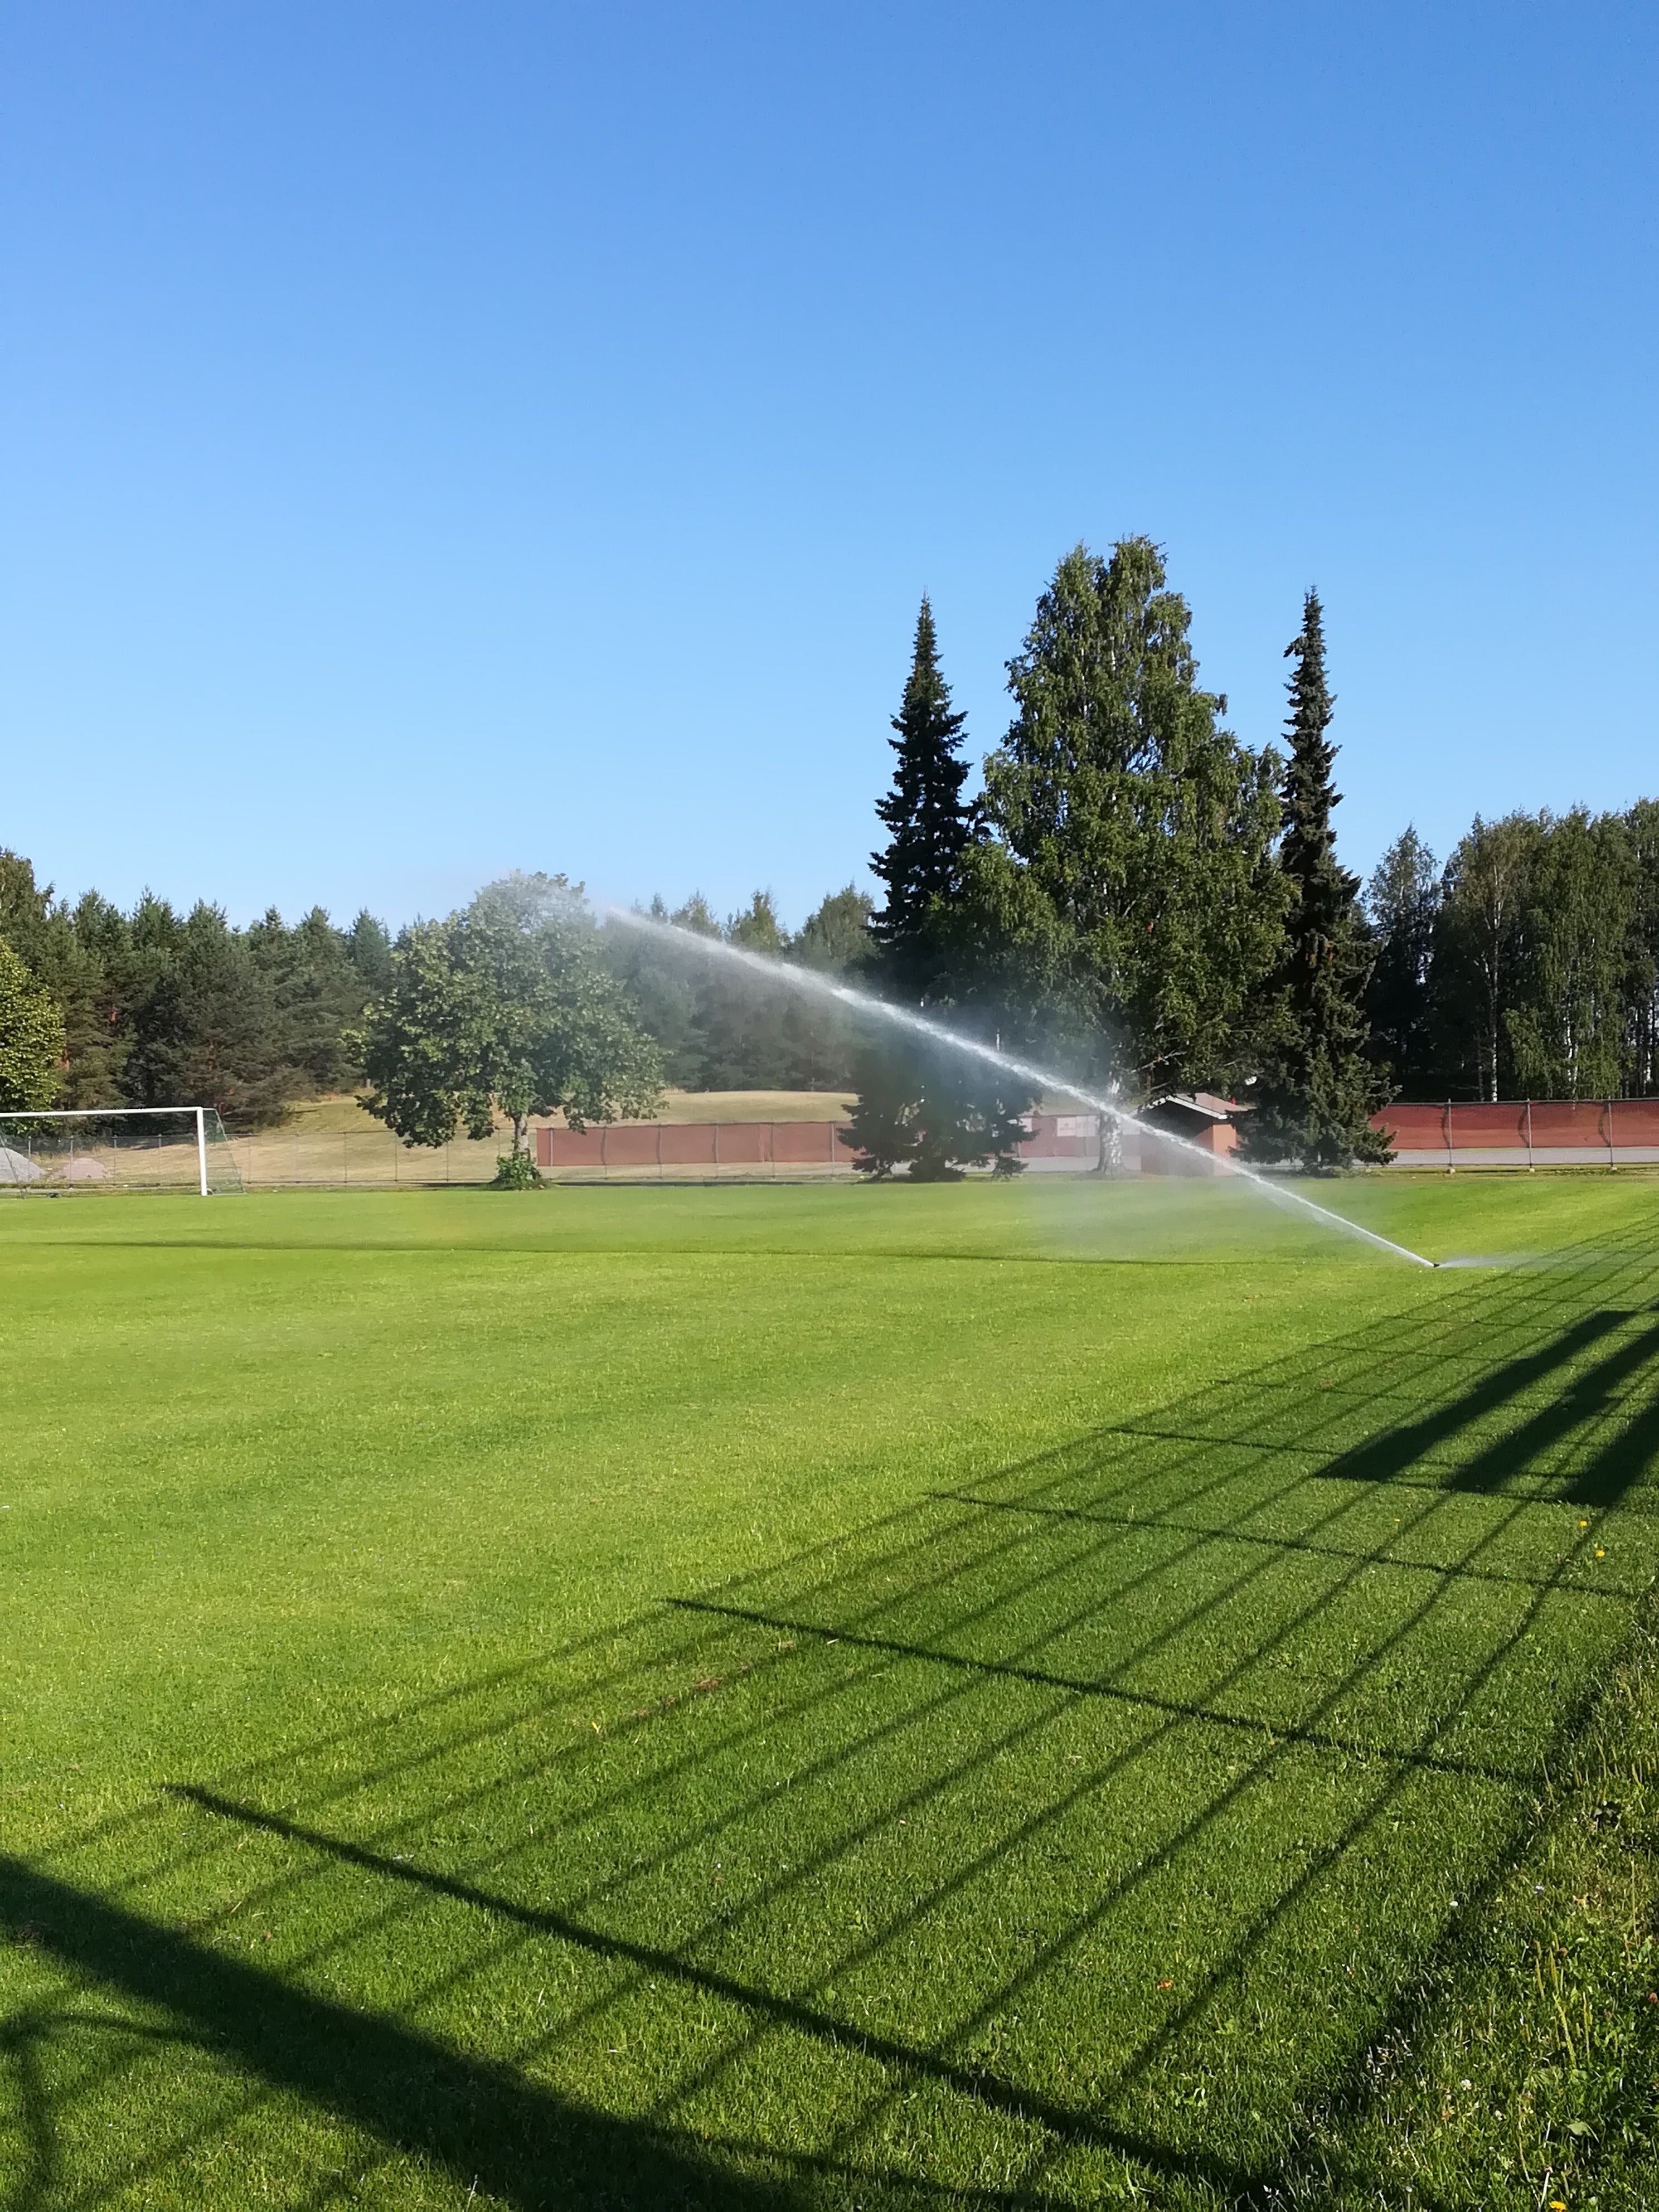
x,y
1144,830
46,937
740,1021
1317,1092
928,1107
31,1038
318,993
934,1110
370,950
822,1039
1401,903
836,935
24,907
1642,1058
505,1007
1479,952
758,928
208,1030
928,825
98,1010
1567,1025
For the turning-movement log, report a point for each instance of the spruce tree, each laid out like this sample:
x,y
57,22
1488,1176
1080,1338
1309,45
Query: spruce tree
x,y
929,825
1316,1093
929,1108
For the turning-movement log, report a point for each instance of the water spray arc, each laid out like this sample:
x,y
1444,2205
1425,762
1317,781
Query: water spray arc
x,y
1041,1079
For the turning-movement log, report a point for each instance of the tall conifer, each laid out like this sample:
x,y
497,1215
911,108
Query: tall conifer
x,y
931,1109
924,813
1317,1092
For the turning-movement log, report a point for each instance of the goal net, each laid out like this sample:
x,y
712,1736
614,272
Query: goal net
x,y
179,1148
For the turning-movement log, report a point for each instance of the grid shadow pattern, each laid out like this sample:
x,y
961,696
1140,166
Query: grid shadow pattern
x,y
1079,1824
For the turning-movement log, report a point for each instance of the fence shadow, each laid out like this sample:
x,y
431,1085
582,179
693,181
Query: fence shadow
x,y
1081,1821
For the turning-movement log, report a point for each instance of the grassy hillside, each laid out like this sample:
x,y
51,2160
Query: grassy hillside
x,y
828,1697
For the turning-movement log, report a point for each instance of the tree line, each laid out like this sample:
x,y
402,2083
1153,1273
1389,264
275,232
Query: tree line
x,y
1527,967
1137,896
160,1008
1132,893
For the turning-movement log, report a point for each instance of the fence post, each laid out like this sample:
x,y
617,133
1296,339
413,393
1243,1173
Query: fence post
x,y
1445,1123
1612,1164
1531,1168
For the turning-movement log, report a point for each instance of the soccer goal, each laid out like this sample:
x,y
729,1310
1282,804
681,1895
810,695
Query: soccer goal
x,y
179,1148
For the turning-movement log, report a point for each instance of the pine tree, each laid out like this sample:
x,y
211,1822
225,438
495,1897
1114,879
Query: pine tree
x,y
208,1033
928,1107
924,813
1317,1092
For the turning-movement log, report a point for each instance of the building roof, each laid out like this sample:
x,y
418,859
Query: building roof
x,y
1204,1104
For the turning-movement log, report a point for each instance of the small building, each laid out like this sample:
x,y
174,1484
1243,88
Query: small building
x,y
1199,1119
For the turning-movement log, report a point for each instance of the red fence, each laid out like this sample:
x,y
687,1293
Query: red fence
x,y
1523,1133
1056,1141
714,1145
1519,1132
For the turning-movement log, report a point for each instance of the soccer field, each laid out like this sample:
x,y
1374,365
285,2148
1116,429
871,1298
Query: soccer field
x,y
1028,1696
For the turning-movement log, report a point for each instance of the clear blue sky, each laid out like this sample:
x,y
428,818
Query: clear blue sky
x,y
438,439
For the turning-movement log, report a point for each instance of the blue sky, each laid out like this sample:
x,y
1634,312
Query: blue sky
x,y
438,439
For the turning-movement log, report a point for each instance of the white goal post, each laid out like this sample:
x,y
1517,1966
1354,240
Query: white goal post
x,y
162,1148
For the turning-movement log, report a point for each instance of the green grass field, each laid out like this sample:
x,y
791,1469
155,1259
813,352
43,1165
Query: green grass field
x,y
1057,1695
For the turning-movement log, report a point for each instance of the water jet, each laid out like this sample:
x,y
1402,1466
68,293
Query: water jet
x,y
1043,1079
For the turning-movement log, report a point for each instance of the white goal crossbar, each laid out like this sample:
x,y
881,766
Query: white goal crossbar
x,y
46,1161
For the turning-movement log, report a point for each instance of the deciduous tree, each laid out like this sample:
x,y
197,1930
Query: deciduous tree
x,y
505,1007
31,1038
1144,828
1479,952
1568,1023
1402,901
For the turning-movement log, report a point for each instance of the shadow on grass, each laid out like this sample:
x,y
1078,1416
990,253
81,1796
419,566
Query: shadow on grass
x,y
1078,1822
485,2126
